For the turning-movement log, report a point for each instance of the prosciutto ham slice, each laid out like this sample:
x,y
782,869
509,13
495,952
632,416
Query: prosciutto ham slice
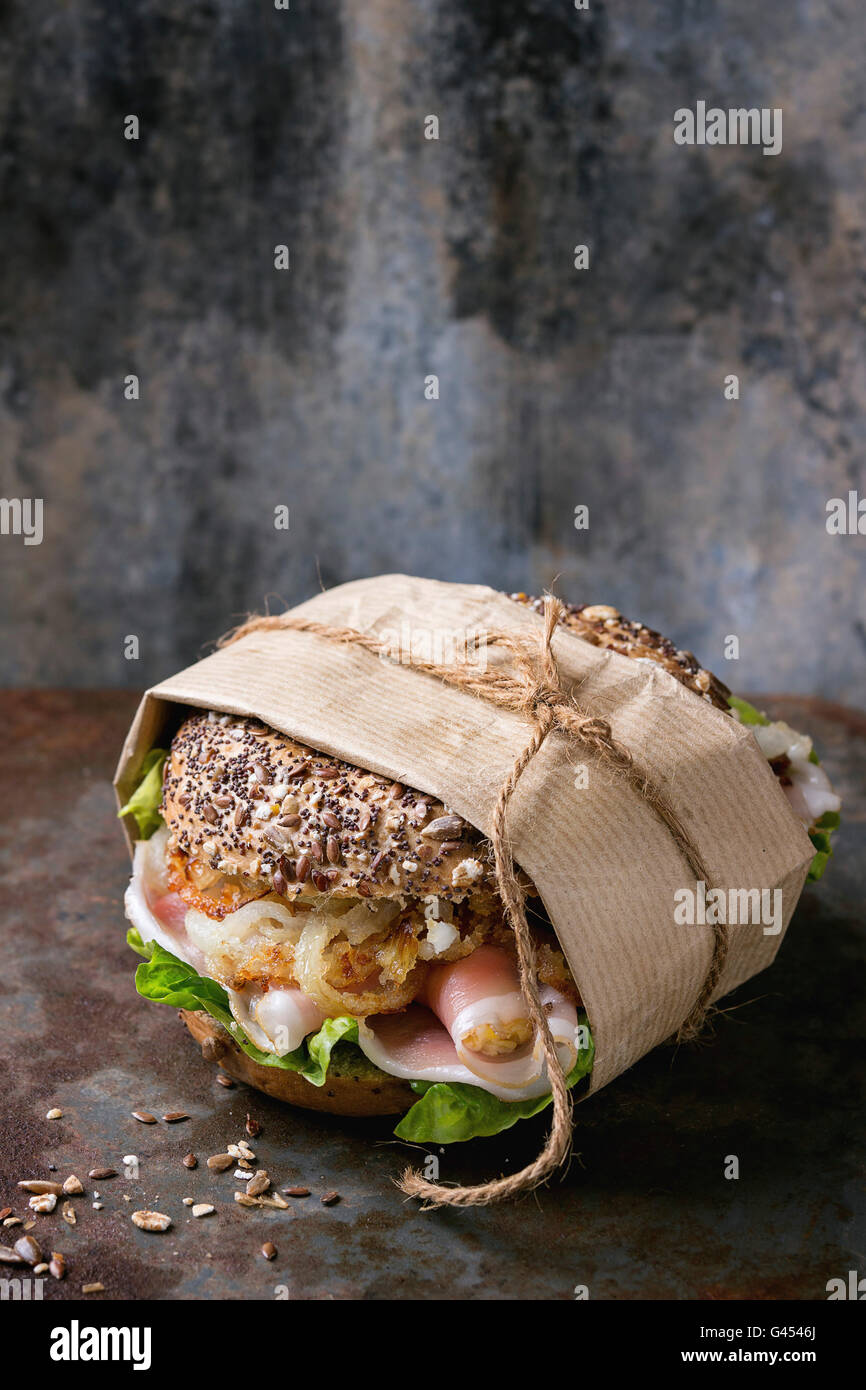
x,y
276,1020
479,1001
470,1025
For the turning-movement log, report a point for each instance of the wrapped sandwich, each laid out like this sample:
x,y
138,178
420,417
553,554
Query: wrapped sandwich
x,y
336,936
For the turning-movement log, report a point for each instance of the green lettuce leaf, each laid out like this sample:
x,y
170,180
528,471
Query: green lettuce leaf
x,y
748,714
165,979
445,1113
451,1112
821,831
820,837
145,800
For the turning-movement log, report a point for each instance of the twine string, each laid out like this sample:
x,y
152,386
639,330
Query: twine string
x,y
533,689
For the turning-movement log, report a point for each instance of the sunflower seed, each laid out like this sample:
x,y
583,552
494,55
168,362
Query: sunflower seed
x,y
151,1220
219,1162
54,1114
39,1187
29,1250
12,1221
99,1174
225,1080
8,1256
329,1198
174,1116
144,1116
443,828
93,1288
258,1184
269,1250
45,1202
297,1191
7,1211
40,1269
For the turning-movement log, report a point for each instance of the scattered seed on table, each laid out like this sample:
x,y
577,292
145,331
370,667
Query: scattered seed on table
x,y
93,1288
244,1201
174,1116
40,1268
151,1220
273,1199
188,1201
8,1256
54,1114
329,1198
29,1250
12,1221
101,1173
219,1162
224,1080
258,1184
68,1214
252,1127
243,1174
45,1202
57,1264
144,1116
297,1191
97,1206
269,1250
40,1187
203,1209
7,1211
28,1225
190,1161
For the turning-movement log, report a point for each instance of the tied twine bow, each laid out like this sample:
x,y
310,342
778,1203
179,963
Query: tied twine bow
x,y
532,689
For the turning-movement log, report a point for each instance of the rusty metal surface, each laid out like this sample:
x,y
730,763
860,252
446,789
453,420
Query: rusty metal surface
x,y
644,1212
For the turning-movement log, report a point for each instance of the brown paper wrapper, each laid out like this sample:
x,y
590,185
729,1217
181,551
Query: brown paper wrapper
x,y
603,863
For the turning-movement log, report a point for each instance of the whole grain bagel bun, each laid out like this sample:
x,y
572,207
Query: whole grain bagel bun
x,y
250,803
254,804
354,1086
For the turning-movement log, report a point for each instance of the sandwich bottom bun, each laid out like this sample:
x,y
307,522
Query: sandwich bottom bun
x,y
353,1085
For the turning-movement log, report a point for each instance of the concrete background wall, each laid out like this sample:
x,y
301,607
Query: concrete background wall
x,y
410,257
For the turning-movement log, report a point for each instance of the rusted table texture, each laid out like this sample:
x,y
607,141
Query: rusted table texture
x,y
644,1211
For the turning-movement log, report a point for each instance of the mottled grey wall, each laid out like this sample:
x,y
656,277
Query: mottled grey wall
x,y
412,257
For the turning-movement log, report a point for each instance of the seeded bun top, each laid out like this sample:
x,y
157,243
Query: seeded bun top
x,y
253,802
604,626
